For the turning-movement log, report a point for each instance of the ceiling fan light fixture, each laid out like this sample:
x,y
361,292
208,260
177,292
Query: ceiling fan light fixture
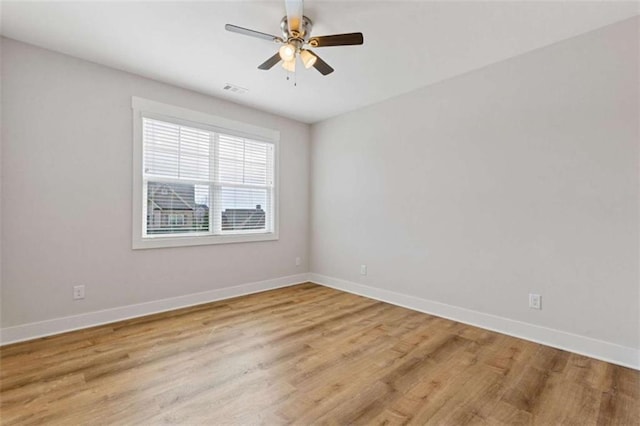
x,y
290,65
287,52
308,58
296,35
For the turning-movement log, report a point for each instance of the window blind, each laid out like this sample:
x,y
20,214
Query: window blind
x,y
202,182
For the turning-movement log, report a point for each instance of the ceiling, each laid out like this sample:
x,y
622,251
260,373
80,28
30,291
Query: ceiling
x,y
408,45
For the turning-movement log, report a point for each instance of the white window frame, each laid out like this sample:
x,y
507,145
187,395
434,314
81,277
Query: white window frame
x,y
178,115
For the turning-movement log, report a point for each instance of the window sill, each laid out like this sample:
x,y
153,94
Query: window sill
x,y
161,242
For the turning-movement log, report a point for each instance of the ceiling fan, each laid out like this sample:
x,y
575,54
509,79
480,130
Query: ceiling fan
x,y
295,40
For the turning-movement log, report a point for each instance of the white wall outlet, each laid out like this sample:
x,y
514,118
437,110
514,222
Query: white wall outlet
x,y
535,301
363,269
298,261
78,292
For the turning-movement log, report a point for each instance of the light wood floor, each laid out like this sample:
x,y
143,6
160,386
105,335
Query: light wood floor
x,y
306,354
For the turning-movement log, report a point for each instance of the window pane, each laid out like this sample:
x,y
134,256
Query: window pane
x,y
243,161
175,151
255,174
177,208
244,208
161,148
194,153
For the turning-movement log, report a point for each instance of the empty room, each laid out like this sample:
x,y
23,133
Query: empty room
x,y
320,212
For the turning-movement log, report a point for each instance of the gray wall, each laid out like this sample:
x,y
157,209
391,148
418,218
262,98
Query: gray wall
x,y
520,177
66,193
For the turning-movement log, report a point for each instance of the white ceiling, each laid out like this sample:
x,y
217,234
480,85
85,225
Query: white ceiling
x,y
407,44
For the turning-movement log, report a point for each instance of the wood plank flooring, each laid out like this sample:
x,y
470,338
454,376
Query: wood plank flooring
x,y
301,355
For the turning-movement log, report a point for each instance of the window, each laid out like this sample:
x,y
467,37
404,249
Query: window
x,y
200,179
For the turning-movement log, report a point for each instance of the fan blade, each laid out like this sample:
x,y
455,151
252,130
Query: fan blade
x,y
349,39
294,15
252,33
269,63
321,65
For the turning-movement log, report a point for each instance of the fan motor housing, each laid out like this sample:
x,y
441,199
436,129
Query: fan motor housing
x,y
306,27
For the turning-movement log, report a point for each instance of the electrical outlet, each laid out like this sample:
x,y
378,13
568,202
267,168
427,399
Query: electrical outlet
x,y
535,301
298,261
78,292
363,269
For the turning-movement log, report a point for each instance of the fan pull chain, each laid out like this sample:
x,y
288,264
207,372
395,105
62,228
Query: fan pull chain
x,y
295,78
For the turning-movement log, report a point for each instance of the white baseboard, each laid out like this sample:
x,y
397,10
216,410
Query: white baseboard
x,y
35,330
605,351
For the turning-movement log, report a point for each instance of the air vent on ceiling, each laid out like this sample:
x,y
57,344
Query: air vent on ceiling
x,y
235,89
